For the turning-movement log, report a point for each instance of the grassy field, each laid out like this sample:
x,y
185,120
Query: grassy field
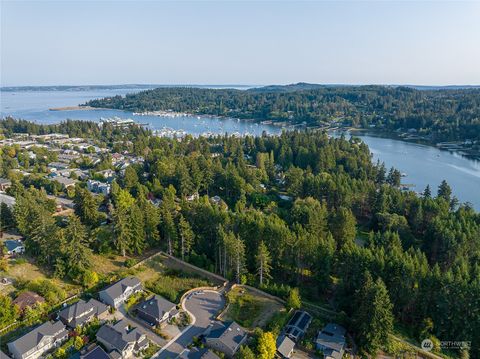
x,y
250,309
167,282
24,269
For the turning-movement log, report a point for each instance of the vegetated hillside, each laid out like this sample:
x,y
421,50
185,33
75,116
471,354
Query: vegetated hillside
x,y
437,115
415,263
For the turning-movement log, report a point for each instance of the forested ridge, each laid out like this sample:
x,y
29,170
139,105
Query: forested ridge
x,y
436,114
417,266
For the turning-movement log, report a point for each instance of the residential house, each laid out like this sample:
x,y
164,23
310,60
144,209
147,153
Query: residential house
x,y
28,299
35,343
107,174
8,200
57,166
331,341
5,184
117,293
217,200
82,312
96,353
298,325
61,203
156,310
65,182
120,337
285,346
14,246
203,353
98,187
225,337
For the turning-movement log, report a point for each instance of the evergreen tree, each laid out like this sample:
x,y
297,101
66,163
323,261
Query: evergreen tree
x,y
86,206
373,318
185,235
121,230
263,262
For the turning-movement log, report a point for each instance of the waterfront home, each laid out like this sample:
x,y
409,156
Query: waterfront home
x,y
82,312
120,337
156,310
38,341
225,337
117,293
331,341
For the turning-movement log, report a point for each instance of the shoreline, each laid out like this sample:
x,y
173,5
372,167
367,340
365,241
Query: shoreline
x,y
465,152
76,108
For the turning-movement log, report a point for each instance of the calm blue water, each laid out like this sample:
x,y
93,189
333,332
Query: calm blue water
x,y
422,164
35,105
427,165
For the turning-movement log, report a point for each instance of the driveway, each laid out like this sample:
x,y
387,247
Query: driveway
x,y
204,305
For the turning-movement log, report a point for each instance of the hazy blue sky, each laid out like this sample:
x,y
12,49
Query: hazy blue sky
x,y
69,42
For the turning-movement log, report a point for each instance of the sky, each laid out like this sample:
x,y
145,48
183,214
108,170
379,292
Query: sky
x,y
247,42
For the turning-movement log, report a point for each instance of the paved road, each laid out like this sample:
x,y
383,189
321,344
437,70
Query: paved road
x,y
204,305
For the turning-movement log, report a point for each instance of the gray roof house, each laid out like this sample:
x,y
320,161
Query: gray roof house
x,y
8,200
285,346
96,353
156,310
38,341
203,353
117,293
65,182
122,338
298,325
82,312
225,337
14,246
331,341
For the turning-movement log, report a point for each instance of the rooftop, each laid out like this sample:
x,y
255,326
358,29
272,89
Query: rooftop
x,y
35,336
229,333
118,288
156,306
28,299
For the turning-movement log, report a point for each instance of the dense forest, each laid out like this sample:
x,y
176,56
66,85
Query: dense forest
x,y
435,114
291,213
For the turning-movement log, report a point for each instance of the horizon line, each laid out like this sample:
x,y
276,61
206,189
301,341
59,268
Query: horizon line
x,y
227,85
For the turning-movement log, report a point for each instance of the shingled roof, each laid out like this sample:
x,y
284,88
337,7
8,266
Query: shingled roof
x,y
34,337
28,299
120,335
79,312
156,307
118,288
